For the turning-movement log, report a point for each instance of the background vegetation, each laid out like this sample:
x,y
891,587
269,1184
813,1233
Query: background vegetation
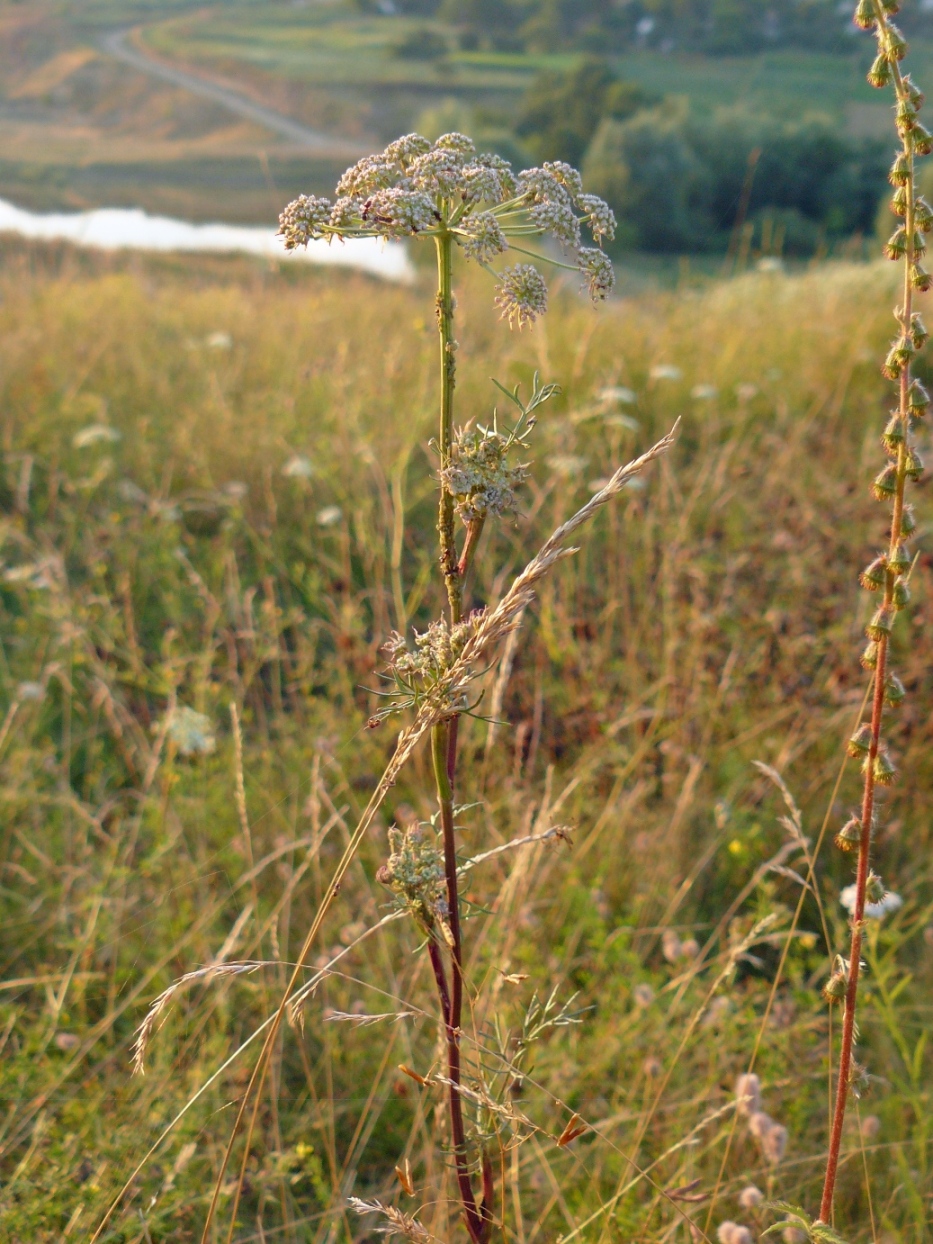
x,y
697,118
212,496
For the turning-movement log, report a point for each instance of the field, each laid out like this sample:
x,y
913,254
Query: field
x,y
216,495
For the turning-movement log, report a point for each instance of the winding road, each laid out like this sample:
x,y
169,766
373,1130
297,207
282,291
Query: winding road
x,y
117,45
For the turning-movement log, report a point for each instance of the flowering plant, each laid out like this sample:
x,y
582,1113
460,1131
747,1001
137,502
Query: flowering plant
x,y
447,191
474,204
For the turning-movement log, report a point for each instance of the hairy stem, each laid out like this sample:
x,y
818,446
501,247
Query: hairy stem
x,y
878,696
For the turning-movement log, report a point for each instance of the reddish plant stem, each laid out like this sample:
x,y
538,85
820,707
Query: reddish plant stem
x,y
855,950
877,711
474,531
444,740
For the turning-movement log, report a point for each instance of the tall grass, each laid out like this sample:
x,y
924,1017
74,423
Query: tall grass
x,y
684,643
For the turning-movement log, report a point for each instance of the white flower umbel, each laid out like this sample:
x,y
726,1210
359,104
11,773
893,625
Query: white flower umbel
x,y
445,189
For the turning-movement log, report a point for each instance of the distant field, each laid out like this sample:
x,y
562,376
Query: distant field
x,y
79,129
331,49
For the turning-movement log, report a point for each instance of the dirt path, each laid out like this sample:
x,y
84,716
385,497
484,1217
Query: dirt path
x,y
117,45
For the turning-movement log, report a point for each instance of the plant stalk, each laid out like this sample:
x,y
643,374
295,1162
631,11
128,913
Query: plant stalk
x,y
448,377
444,753
877,709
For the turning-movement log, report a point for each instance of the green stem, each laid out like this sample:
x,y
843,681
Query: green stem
x,y
448,377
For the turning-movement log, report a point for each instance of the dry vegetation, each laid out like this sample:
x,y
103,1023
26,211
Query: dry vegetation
x,y
263,521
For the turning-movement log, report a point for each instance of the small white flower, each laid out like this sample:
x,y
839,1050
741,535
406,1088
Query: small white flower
x,y
298,467
748,1093
30,691
566,464
191,732
732,1233
704,392
665,371
218,341
745,392
889,903
329,516
93,434
130,491
770,263
643,995
751,1197
235,489
617,393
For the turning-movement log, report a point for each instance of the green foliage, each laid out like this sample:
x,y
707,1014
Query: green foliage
x,y
711,27
676,183
561,111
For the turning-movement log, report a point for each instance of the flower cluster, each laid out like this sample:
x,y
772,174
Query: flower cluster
x,y
414,871
770,1135
416,188
425,672
479,476
521,294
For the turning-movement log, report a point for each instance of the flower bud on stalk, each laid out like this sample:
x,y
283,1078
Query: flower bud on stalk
x,y
894,692
882,623
894,436
849,837
884,770
875,575
899,561
918,399
900,594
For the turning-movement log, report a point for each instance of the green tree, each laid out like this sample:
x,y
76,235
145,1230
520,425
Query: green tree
x,y
562,111
645,168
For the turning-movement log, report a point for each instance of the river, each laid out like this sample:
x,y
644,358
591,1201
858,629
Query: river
x,y
119,228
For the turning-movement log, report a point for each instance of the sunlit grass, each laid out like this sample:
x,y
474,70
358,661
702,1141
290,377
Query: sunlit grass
x,y
242,541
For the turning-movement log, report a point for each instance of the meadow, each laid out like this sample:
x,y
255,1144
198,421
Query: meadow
x,y
214,500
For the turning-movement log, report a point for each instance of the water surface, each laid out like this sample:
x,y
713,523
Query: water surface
x,y
119,228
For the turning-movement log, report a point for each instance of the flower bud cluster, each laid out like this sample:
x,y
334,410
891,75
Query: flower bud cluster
x,y
479,476
521,294
414,871
837,985
426,671
416,188
770,1135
